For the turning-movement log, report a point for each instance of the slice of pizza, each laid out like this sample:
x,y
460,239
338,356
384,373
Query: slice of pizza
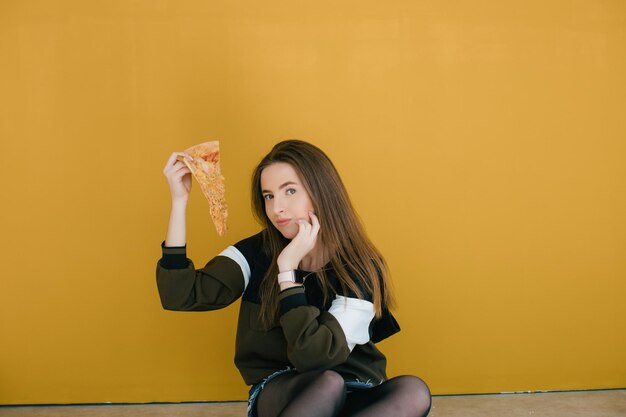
x,y
206,170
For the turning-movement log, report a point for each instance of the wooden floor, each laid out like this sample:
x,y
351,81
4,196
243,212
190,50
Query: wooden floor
x,y
609,403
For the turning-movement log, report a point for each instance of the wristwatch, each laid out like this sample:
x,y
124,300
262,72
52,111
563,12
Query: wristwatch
x,y
295,275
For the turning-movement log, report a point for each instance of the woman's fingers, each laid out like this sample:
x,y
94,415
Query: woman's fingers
x,y
178,175
181,172
315,222
303,228
171,161
175,169
307,233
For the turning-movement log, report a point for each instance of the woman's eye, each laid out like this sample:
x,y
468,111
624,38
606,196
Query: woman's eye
x,y
268,197
291,191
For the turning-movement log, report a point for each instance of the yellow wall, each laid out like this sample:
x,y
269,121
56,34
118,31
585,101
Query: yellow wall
x,y
483,143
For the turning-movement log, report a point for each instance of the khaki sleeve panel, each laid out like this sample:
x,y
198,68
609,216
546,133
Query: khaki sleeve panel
x,y
315,339
215,286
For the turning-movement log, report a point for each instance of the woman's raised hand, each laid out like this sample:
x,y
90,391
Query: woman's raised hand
x,y
300,245
178,177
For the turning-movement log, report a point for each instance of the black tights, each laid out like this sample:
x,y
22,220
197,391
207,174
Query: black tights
x,y
323,394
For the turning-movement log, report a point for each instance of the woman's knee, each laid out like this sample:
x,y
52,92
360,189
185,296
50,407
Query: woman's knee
x,y
332,382
415,391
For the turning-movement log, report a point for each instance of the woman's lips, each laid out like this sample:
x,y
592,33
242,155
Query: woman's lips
x,y
283,222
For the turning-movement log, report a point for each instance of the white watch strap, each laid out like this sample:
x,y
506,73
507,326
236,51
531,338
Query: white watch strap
x,y
287,276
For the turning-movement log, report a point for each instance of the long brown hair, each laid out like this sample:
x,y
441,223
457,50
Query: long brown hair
x,y
341,235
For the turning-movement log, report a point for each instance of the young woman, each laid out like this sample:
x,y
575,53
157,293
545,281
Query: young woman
x,y
315,293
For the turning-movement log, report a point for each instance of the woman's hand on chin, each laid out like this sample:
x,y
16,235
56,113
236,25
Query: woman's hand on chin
x,y
300,245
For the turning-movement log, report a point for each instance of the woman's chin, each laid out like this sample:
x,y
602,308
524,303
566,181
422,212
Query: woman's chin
x,y
287,232
287,235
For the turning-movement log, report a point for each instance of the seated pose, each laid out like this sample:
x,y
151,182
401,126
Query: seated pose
x,y
315,293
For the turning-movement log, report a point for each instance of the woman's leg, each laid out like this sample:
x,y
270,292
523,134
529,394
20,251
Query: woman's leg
x,y
402,396
308,394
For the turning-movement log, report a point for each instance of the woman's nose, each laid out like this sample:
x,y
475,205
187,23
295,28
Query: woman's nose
x,y
279,207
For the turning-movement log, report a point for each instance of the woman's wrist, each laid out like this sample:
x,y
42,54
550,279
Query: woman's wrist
x,y
285,265
179,203
286,268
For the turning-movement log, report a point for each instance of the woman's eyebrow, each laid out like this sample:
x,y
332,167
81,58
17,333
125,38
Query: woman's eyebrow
x,y
282,186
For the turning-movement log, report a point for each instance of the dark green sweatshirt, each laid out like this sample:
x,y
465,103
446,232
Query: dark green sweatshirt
x,y
310,334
